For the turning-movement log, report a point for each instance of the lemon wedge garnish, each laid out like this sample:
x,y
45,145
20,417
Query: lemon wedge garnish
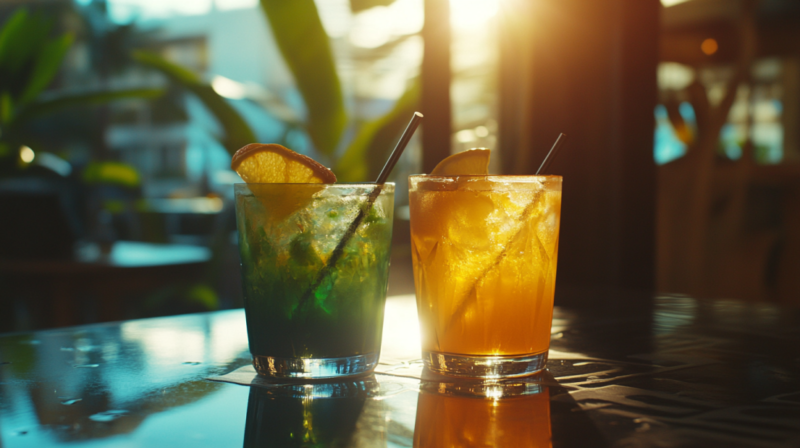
x,y
471,161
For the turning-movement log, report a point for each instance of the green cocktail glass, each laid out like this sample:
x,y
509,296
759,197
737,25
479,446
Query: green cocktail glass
x,y
310,313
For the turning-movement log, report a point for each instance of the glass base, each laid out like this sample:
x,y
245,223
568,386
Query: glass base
x,y
315,368
484,366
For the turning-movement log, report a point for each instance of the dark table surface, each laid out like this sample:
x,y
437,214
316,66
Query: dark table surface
x,y
673,371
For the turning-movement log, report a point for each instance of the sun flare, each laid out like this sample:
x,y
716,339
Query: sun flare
x,y
472,13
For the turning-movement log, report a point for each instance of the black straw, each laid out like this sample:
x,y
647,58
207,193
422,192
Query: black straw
x,y
398,150
548,159
351,230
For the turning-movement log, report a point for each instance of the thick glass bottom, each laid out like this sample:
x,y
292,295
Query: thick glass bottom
x,y
484,366
315,368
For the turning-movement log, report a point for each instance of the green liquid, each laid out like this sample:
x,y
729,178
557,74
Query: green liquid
x,y
282,254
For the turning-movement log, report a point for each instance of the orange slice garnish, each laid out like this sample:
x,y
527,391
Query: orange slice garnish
x,y
472,161
270,163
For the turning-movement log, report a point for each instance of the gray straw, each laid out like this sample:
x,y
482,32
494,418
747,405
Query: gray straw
x,y
462,306
548,159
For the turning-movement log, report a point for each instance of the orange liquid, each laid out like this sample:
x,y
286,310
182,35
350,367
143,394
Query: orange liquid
x,y
451,421
485,255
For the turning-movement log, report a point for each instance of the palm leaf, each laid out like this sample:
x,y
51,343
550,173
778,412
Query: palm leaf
x,y
237,131
46,67
306,49
370,148
44,107
10,48
21,40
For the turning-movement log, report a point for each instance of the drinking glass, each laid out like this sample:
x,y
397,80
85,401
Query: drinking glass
x,y
310,313
484,250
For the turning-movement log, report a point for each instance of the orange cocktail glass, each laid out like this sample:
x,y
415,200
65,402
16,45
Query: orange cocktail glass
x,y
485,250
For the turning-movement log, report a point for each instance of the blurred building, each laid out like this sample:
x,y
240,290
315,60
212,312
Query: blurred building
x,y
179,154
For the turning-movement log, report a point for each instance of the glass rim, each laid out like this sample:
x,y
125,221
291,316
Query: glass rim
x,y
484,176
340,184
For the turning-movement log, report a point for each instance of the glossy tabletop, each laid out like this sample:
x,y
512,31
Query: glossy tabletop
x,y
672,371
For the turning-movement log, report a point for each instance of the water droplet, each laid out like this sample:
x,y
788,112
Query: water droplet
x,y
107,416
85,366
68,402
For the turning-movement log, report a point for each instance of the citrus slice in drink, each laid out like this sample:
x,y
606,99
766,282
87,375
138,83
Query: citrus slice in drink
x,y
271,163
259,163
472,161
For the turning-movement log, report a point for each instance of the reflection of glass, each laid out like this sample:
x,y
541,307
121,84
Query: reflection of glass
x,y
483,414
485,251
311,314
314,415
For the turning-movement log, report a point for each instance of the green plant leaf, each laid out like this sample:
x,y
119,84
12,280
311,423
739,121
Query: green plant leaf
x,y
21,41
12,30
366,154
47,106
6,107
362,5
113,173
45,68
237,131
306,49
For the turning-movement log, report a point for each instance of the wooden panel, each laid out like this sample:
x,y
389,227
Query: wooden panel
x,y
435,102
593,77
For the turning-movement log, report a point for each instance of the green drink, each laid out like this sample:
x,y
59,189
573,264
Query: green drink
x,y
310,313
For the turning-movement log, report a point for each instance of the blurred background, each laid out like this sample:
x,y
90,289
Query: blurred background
x,y
118,119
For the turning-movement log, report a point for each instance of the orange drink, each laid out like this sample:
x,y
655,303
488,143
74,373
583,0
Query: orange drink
x,y
484,250
487,417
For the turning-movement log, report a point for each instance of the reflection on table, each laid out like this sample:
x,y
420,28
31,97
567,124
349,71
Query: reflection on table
x,y
463,413
320,414
672,372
